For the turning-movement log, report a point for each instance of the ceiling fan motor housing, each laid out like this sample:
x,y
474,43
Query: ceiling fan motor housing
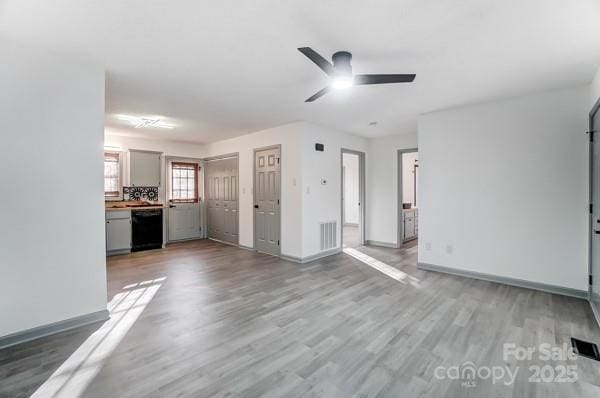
x,y
341,63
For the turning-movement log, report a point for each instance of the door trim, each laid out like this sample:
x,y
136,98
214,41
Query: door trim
x,y
361,194
277,146
593,111
166,204
400,194
205,225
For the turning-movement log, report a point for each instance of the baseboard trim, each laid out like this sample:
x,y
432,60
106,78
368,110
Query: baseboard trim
x,y
596,314
313,257
350,224
565,291
118,252
53,328
382,244
224,242
246,247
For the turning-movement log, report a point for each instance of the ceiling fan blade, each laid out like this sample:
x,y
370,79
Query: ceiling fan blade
x,y
319,94
321,62
383,79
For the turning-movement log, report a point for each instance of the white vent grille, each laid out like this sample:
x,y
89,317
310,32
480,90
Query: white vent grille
x,y
328,235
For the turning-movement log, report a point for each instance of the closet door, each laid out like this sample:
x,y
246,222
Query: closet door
x,y
221,179
230,200
213,198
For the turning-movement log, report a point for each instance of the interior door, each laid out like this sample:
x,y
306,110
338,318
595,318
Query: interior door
x,y
267,163
214,204
230,200
595,213
222,199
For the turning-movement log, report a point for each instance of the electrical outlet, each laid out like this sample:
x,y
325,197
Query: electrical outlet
x,y
449,249
307,190
428,246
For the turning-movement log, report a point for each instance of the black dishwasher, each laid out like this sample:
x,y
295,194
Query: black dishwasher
x,y
146,229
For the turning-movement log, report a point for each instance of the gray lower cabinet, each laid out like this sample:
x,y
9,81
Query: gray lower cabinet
x,y
410,224
118,232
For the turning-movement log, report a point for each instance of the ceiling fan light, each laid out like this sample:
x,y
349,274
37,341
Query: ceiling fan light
x,y
342,82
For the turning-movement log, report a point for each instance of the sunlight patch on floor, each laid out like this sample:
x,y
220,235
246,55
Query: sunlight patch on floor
x,y
382,267
72,378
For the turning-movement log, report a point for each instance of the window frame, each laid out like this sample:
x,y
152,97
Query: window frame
x,y
114,194
196,167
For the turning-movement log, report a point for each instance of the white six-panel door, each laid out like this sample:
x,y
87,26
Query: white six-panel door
x,y
267,165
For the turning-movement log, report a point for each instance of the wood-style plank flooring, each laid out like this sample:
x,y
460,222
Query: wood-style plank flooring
x,y
203,319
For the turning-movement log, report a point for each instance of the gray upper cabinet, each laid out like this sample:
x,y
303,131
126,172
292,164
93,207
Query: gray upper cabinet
x,y
144,169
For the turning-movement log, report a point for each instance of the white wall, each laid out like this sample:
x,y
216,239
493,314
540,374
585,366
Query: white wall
x,y
351,196
382,186
290,138
595,89
169,148
506,185
52,264
322,203
408,178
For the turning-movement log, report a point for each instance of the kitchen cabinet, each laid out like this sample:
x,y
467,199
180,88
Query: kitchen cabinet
x,y
144,168
410,224
118,232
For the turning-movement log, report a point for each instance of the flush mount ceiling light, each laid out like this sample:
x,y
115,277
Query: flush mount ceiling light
x,y
145,121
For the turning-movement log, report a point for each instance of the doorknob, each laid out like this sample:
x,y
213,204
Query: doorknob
x,y
171,206
256,206
597,232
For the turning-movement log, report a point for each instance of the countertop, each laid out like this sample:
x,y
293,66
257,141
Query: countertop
x,y
135,208
131,205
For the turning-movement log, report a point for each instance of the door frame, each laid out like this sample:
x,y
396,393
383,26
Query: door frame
x,y
400,194
276,146
204,209
167,205
361,194
592,129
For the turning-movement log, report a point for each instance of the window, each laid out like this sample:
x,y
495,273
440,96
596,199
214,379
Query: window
x,y
111,174
184,182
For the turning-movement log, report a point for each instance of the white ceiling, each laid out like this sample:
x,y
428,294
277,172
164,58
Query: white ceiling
x,y
222,68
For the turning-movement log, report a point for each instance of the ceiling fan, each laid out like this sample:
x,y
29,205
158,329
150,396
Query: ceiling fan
x,y
341,72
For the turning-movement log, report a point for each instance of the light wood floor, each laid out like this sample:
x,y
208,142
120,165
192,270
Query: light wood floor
x,y
223,321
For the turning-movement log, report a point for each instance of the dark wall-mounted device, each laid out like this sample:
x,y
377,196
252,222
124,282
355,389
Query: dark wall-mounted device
x,y
319,147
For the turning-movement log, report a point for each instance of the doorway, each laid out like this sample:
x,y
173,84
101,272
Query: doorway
x,y
408,202
267,199
222,198
353,198
183,194
594,254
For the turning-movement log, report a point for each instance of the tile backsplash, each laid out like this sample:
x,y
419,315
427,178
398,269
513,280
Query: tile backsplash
x,y
140,193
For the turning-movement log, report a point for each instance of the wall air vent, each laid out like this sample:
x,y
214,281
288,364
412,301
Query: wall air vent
x,y
328,234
